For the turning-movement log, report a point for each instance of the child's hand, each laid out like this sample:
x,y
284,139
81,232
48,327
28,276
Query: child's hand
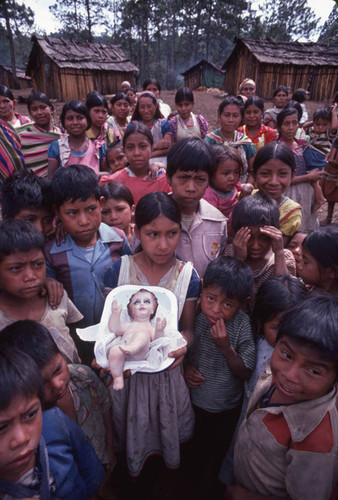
x,y
178,355
154,169
315,175
54,290
240,243
193,377
60,234
276,237
220,335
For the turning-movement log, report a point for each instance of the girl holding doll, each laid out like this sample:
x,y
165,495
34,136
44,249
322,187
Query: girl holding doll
x,y
153,413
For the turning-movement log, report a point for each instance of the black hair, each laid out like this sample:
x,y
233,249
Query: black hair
x,y
24,189
151,81
233,276
132,89
76,182
137,115
280,88
138,128
19,236
299,96
296,106
314,322
5,92
94,98
117,191
284,113
19,377
256,210
31,337
120,96
276,295
323,114
190,154
223,153
275,150
152,205
254,101
323,245
77,107
184,94
116,142
154,298
231,100
40,97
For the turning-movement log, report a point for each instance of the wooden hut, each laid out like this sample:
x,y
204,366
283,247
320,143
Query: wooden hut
x,y
204,74
311,66
64,69
6,77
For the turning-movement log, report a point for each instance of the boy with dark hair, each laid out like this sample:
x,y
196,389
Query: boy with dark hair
x,y
190,165
44,455
220,359
287,444
80,262
73,388
26,196
22,283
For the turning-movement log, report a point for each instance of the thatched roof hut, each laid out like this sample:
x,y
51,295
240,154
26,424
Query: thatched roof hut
x,y
65,70
6,77
312,66
204,74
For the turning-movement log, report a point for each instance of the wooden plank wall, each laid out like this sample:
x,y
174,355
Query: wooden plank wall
x,y
320,81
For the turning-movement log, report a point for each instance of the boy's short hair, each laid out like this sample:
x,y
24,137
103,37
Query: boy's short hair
x,y
314,322
322,244
256,210
190,154
32,338
76,182
233,276
19,376
23,190
19,236
322,114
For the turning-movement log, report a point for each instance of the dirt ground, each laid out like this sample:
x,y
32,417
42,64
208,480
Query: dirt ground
x,y
206,104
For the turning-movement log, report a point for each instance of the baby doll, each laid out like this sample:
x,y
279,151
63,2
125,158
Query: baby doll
x,y
136,334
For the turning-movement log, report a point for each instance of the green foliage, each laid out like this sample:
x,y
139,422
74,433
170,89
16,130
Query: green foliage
x,y
288,20
329,31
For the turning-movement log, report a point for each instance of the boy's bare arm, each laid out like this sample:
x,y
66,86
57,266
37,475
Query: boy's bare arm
x,y
114,323
221,338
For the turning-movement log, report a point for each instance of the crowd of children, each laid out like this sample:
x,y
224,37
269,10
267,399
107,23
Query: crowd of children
x,y
227,221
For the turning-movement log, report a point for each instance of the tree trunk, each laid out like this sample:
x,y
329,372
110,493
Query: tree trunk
x,y
11,45
89,22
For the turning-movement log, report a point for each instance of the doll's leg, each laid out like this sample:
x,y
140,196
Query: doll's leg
x,y
137,347
116,362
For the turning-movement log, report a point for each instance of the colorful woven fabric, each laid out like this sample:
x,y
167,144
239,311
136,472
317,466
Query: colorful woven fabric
x,y
10,151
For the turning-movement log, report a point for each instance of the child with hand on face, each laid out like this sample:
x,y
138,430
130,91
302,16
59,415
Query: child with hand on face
x,y
220,359
286,445
42,454
258,241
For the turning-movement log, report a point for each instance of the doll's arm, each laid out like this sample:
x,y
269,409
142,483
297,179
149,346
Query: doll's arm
x,y
114,323
159,328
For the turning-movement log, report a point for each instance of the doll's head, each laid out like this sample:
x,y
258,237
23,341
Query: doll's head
x,y
142,303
